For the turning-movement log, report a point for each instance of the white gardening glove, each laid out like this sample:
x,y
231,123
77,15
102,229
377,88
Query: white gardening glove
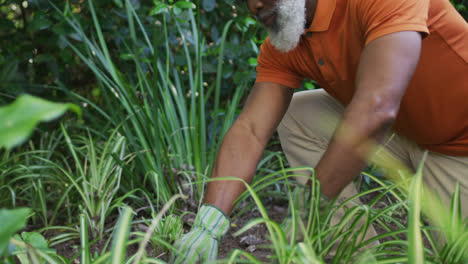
x,y
201,243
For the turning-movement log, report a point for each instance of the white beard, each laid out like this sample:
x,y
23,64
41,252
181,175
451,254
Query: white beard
x,y
289,25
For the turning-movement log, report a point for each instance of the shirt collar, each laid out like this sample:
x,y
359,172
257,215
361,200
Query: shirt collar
x,y
323,15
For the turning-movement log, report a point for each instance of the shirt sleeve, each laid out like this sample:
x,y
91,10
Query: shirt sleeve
x,y
274,66
383,17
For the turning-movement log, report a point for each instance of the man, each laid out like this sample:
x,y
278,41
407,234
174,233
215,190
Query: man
x,y
385,66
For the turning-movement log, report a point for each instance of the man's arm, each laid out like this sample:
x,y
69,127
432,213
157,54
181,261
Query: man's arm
x,y
385,69
244,143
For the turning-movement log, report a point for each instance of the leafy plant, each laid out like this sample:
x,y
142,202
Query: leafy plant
x,y
165,120
18,120
96,177
168,229
35,242
13,221
344,243
30,247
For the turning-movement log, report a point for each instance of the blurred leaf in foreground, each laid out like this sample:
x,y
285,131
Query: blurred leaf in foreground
x,y
18,119
11,221
34,239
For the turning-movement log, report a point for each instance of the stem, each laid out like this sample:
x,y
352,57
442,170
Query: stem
x,y
23,15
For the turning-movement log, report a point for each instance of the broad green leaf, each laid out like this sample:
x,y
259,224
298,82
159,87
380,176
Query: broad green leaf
x,y
184,5
40,22
35,239
309,86
158,8
177,11
18,119
209,5
118,3
249,21
11,221
19,252
253,62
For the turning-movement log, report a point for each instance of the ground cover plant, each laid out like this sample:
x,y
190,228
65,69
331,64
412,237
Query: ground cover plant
x,y
119,184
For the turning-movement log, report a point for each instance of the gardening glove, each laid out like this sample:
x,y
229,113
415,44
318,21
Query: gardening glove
x,y
201,243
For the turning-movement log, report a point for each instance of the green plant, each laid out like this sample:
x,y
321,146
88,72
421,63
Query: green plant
x,y
30,247
13,221
400,242
168,229
28,180
165,120
23,175
35,242
96,176
18,120
415,242
122,238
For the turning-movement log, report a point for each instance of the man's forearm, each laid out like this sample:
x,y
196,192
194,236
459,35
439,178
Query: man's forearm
x,y
238,157
243,145
385,68
349,150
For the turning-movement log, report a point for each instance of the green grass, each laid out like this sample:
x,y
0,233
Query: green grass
x,y
161,110
113,182
94,168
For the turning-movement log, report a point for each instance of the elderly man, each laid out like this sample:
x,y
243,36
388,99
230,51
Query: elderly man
x,y
386,67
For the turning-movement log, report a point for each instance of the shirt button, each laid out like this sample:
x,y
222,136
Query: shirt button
x,y
321,62
309,34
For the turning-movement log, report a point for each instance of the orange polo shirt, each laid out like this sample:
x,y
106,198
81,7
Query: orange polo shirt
x,y
434,109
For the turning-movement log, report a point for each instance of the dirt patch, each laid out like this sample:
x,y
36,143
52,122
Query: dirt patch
x,y
255,240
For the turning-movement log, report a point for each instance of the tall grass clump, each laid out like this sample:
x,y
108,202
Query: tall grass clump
x,y
123,237
171,117
94,175
27,178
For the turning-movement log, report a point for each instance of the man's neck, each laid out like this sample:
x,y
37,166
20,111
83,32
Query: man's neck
x,y
311,6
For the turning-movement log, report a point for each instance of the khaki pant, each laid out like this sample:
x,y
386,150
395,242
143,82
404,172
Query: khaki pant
x,y
309,125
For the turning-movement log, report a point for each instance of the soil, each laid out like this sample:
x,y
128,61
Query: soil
x,y
254,240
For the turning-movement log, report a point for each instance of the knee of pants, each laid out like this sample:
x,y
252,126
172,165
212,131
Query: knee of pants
x,y
312,114
283,131
307,127
301,149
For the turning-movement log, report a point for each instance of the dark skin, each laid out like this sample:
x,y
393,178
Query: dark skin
x,y
385,69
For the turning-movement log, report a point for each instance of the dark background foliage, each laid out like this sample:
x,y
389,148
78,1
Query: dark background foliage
x,y
34,55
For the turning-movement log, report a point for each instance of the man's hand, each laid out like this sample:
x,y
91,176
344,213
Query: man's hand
x,y
201,243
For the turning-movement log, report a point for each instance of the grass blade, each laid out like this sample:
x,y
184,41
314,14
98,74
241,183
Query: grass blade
x,y
85,253
120,236
415,243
